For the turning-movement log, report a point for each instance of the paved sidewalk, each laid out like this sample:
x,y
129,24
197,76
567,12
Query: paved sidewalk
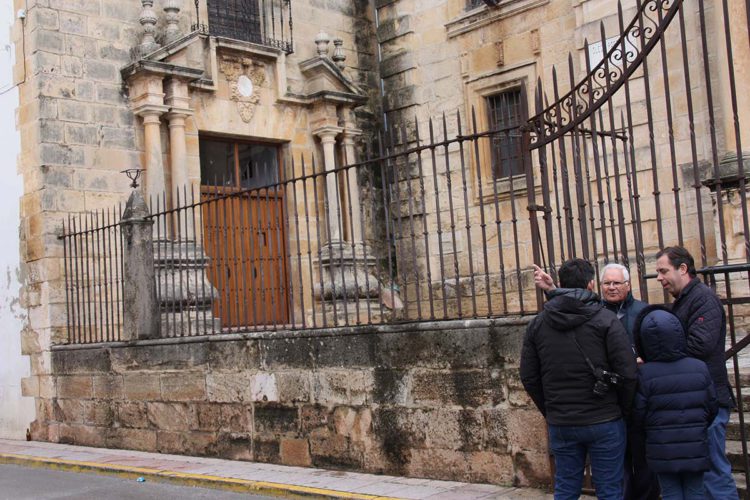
x,y
258,478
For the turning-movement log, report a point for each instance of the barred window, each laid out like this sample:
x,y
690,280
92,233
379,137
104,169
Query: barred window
x,y
505,111
237,19
473,4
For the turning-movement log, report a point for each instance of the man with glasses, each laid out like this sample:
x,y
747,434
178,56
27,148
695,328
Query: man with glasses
x,y
616,295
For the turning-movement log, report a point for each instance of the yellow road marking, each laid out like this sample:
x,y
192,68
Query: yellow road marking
x,y
228,483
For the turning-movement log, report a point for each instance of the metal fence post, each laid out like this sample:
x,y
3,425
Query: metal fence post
x,y
140,307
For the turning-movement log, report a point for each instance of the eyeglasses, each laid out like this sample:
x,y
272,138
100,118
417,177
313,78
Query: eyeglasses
x,y
616,284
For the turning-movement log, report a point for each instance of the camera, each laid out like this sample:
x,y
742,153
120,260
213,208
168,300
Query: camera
x,y
604,380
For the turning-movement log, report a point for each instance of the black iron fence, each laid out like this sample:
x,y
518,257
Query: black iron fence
x,y
265,22
417,232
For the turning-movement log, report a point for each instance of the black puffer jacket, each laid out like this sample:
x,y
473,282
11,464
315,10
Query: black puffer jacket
x,y
554,371
676,400
705,322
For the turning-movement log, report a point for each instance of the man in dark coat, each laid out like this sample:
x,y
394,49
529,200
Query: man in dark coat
x,y
675,403
567,352
640,482
700,310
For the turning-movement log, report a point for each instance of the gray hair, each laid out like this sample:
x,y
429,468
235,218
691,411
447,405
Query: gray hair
x,y
619,267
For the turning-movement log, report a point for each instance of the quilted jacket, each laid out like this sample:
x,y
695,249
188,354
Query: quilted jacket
x,y
675,401
554,371
703,316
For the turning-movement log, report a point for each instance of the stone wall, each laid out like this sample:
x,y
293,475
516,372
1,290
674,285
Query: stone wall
x,y
435,400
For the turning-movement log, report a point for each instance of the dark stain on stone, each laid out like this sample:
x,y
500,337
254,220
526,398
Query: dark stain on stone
x,y
394,438
387,386
275,418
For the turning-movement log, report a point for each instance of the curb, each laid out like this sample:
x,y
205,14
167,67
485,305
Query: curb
x,y
187,479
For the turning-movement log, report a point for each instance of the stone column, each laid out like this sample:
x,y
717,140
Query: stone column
x,y
154,183
353,198
328,139
178,102
140,313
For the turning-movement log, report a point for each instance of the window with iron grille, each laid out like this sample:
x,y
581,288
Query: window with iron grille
x,y
265,22
237,19
473,4
506,111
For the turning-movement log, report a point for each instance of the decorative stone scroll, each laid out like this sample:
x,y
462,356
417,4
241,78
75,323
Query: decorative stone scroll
x,y
244,76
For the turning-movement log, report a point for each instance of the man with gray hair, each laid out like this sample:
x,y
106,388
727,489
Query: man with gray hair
x,y
616,295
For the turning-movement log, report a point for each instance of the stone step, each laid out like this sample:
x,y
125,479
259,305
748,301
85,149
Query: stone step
x,y
745,391
734,454
739,478
733,426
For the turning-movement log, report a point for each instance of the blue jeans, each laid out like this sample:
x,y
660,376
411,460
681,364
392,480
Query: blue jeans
x,y
605,444
684,486
718,481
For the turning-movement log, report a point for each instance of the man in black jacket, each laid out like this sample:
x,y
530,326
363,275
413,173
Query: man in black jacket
x,y
640,482
700,310
566,349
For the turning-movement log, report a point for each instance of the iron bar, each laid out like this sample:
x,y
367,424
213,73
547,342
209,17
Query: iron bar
x,y
482,220
412,234
448,175
465,189
670,134
693,145
436,188
577,171
623,257
597,168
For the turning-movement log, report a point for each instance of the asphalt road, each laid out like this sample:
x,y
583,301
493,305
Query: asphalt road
x,y
30,483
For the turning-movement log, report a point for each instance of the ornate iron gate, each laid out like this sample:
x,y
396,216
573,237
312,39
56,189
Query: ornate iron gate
x,y
645,151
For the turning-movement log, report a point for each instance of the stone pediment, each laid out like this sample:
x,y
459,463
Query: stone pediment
x,y
324,80
180,58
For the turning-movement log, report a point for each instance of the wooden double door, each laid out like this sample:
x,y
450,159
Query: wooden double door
x,y
243,226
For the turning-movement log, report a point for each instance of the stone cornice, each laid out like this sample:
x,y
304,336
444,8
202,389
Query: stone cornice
x,y
327,130
150,109
160,68
482,16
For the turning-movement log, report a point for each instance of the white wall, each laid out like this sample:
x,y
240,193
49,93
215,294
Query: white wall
x,y
16,413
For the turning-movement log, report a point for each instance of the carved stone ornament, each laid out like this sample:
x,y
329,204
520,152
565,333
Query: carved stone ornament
x,y
244,76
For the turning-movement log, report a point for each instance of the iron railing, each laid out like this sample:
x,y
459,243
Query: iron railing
x,y
264,22
439,240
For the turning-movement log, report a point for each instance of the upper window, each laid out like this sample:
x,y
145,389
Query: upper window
x,y
265,22
473,4
237,19
506,113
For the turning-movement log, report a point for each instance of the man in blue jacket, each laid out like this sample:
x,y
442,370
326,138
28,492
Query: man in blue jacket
x,y
700,310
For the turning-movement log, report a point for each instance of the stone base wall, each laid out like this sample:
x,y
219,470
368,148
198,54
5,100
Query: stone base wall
x,y
440,400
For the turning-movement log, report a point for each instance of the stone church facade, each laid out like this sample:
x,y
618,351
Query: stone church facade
x,y
191,92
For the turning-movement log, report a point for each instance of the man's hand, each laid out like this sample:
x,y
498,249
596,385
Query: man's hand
x,y
542,280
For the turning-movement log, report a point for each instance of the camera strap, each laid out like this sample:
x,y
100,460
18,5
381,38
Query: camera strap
x,y
588,361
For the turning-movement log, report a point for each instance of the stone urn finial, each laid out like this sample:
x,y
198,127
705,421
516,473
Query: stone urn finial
x,y
171,14
338,53
148,21
321,41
